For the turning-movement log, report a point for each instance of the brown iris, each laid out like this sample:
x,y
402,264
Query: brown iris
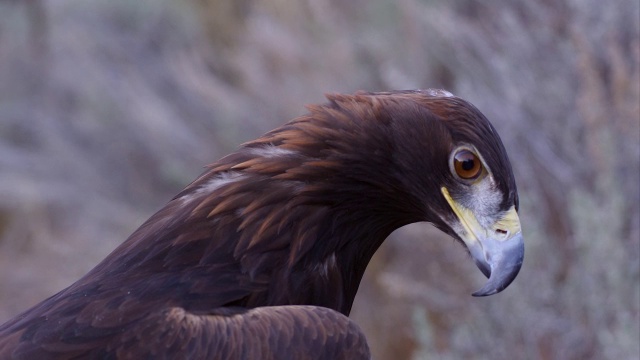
x,y
467,164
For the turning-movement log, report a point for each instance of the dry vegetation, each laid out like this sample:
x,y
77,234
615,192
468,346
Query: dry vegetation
x,y
108,108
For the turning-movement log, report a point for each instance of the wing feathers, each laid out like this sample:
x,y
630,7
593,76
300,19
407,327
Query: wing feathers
x,y
270,333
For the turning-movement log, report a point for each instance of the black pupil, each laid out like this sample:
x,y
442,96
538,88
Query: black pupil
x,y
467,164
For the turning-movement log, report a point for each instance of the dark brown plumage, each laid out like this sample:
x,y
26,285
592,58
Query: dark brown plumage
x,y
291,218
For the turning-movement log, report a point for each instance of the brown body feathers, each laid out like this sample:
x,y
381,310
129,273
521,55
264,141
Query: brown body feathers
x,y
262,255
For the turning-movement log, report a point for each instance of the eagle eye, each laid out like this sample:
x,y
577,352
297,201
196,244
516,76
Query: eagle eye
x,y
466,164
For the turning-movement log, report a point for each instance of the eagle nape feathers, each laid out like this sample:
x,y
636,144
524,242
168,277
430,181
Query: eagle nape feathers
x,y
261,256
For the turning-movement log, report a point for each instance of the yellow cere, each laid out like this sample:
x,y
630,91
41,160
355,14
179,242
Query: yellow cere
x,y
509,222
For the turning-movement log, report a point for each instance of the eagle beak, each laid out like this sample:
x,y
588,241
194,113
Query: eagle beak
x,y
500,261
497,248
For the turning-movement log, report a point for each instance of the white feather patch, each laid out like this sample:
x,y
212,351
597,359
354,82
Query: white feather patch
x,y
438,93
485,201
270,151
213,184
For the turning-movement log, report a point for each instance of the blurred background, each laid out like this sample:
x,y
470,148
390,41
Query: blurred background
x,y
109,107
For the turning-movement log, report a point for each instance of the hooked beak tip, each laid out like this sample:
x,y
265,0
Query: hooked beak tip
x,y
503,265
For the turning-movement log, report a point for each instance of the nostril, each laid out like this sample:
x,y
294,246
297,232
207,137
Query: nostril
x,y
503,233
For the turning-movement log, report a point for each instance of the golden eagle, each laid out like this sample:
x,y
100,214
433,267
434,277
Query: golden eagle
x,y
261,256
